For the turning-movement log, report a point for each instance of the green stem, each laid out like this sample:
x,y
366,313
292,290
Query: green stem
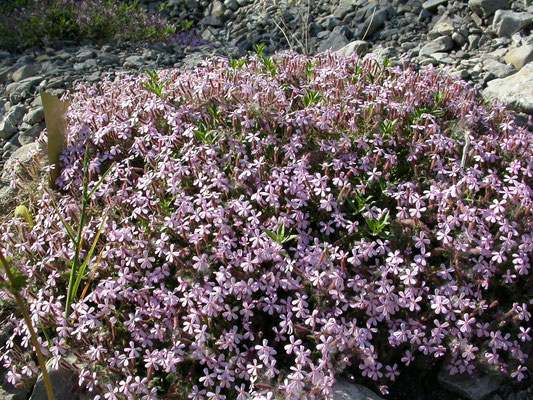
x,y
33,335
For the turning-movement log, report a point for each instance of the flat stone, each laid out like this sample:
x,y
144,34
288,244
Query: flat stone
x,y
25,84
345,390
471,387
5,73
85,55
498,69
506,23
34,116
485,8
520,56
516,91
24,72
441,44
357,46
433,5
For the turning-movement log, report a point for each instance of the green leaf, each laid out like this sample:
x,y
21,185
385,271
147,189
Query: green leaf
x,y
19,280
272,235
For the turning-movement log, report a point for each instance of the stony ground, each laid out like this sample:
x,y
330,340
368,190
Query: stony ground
x,y
488,43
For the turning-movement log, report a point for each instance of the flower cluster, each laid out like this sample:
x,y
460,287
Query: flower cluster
x,y
27,24
272,222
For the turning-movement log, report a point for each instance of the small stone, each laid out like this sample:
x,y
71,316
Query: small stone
x,y
458,38
485,8
217,9
231,5
30,135
134,61
433,5
357,46
506,23
85,55
34,116
442,44
24,72
5,73
23,155
520,56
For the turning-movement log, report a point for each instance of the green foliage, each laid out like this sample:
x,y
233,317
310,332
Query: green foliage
x,y
280,237
154,85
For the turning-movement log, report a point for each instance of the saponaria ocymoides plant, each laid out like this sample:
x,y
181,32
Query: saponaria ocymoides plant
x,y
274,221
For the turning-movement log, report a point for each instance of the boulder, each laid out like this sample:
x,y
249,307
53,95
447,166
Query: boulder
x,y
516,91
433,5
520,56
485,8
22,155
24,72
506,23
498,69
357,46
470,387
441,44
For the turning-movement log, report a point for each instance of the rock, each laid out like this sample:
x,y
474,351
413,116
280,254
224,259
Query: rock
x,y
25,84
335,41
107,58
34,116
458,38
441,44
373,23
24,72
217,9
344,7
7,129
6,73
498,69
344,390
31,134
62,380
516,90
23,155
470,387
134,62
506,23
433,5
485,8
520,56
357,46
85,55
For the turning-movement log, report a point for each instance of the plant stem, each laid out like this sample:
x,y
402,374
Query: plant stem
x,y
27,319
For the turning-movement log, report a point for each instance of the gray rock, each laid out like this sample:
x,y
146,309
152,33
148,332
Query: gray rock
x,y
134,61
30,135
516,91
231,5
458,38
34,116
498,69
7,129
62,381
344,7
344,390
107,58
433,5
15,114
373,23
335,41
217,9
5,73
473,388
485,8
506,23
23,155
520,56
24,72
25,84
85,55
357,46
442,44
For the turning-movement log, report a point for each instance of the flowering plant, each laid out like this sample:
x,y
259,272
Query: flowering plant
x,y
270,222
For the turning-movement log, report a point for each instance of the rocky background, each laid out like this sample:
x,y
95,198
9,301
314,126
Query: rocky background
x,y
488,43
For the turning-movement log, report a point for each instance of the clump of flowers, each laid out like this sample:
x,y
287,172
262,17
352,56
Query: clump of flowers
x,y
270,222
36,23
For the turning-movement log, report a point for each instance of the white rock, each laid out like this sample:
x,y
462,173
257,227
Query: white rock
x,y
520,56
516,90
506,23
